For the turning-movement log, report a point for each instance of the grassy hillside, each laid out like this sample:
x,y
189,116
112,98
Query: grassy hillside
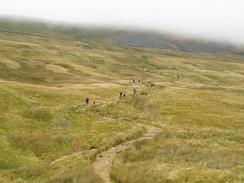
x,y
197,101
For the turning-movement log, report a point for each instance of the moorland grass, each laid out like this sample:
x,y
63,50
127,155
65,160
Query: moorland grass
x,y
43,85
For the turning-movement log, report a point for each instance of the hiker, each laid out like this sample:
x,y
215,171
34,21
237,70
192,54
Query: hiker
x,y
134,81
87,101
124,94
94,101
121,94
134,91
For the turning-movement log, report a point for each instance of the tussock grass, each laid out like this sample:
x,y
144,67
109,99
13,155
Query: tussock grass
x,y
176,156
43,83
84,175
39,125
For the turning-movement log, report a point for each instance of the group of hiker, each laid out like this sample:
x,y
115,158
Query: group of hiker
x,y
136,81
87,100
122,94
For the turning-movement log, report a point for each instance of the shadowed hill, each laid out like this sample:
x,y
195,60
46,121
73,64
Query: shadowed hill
x,y
164,41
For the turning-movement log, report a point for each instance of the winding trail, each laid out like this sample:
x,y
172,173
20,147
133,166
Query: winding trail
x,y
104,160
103,163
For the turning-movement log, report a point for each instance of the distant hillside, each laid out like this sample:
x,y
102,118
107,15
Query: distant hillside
x,y
124,38
52,30
163,41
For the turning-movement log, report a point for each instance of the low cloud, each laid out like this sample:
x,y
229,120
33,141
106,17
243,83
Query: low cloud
x,y
208,19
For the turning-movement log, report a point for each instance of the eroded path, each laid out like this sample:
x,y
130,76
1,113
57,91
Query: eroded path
x,y
104,160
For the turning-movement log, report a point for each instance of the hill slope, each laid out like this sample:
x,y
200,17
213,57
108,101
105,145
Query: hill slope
x,y
49,135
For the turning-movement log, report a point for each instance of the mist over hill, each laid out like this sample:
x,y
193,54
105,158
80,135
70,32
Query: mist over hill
x,y
121,37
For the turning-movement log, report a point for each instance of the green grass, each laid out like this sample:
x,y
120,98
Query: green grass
x,y
39,125
201,139
43,83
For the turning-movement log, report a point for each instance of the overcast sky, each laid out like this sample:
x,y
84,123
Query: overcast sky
x,y
212,19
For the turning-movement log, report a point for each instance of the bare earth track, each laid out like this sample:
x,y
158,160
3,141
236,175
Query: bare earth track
x,y
103,163
104,160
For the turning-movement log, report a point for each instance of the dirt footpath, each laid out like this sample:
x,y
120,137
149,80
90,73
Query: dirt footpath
x,y
104,160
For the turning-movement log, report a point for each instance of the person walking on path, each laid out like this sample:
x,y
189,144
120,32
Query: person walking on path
x,y
134,91
121,94
87,100
94,101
